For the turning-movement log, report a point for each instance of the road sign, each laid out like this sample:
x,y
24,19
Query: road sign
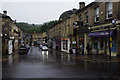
x,y
111,45
110,38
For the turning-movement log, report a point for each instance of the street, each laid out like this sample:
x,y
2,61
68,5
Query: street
x,y
55,64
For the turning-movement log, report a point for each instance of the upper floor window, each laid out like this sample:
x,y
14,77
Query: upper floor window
x,y
86,17
80,18
97,14
109,10
65,31
62,32
59,33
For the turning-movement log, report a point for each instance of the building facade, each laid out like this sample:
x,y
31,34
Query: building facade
x,y
97,19
10,34
37,38
91,25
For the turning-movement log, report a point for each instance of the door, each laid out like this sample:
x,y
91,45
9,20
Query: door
x,y
10,47
106,45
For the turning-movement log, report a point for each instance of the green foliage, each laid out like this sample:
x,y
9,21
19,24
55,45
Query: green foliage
x,y
30,28
66,14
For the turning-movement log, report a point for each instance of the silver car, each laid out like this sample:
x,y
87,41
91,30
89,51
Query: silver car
x,y
44,48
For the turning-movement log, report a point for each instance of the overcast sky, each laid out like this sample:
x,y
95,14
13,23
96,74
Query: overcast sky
x,y
38,12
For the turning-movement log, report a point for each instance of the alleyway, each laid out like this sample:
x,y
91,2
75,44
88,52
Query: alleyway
x,y
55,64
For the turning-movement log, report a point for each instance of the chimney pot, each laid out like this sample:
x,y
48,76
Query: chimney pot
x,y
81,5
74,10
5,12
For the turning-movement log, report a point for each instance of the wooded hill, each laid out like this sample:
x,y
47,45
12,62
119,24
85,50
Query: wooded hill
x,y
30,28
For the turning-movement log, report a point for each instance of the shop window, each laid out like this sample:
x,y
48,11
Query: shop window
x,y
65,45
101,44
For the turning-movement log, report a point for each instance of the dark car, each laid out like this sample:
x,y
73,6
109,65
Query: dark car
x,y
28,47
23,49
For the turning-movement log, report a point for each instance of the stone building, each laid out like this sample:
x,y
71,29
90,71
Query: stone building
x,y
27,39
37,38
89,24
96,19
10,34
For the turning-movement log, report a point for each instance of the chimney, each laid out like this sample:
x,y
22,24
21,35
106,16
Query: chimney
x,y
81,5
5,12
74,10
15,21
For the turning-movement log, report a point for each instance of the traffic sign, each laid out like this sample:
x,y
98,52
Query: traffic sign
x,y
111,45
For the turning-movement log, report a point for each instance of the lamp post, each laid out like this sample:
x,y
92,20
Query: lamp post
x,y
109,43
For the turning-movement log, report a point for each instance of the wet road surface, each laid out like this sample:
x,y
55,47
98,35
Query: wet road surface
x,y
55,64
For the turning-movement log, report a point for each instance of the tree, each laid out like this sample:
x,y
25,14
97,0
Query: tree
x,y
28,28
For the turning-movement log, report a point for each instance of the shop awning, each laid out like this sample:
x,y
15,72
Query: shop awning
x,y
101,34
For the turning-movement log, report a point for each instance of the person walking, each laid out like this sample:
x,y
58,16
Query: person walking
x,y
71,52
88,48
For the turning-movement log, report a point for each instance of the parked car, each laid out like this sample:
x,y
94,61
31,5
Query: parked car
x,y
44,48
23,49
28,47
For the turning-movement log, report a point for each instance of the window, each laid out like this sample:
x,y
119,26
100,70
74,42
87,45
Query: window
x,y
109,10
80,17
65,47
69,26
59,33
86,17
62,32
65,31
96,14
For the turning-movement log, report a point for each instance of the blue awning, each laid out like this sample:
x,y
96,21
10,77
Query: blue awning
x,y
101,34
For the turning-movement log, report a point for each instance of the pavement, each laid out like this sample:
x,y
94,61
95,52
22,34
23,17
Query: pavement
x,y
93,57
5,57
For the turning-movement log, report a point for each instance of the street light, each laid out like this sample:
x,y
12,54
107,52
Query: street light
x,y
109,42
113,22
89,28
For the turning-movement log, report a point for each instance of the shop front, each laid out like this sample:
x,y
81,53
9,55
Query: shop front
x,y
58,44
65,44
100,42
81,41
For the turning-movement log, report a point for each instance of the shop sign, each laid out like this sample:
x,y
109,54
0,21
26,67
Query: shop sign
x,y
74,42
61,38
64,39
81,39
12,37
110,38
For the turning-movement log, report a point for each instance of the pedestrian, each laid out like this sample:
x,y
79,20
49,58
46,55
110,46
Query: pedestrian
x,y
81,49
88,48
74,51
71,52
